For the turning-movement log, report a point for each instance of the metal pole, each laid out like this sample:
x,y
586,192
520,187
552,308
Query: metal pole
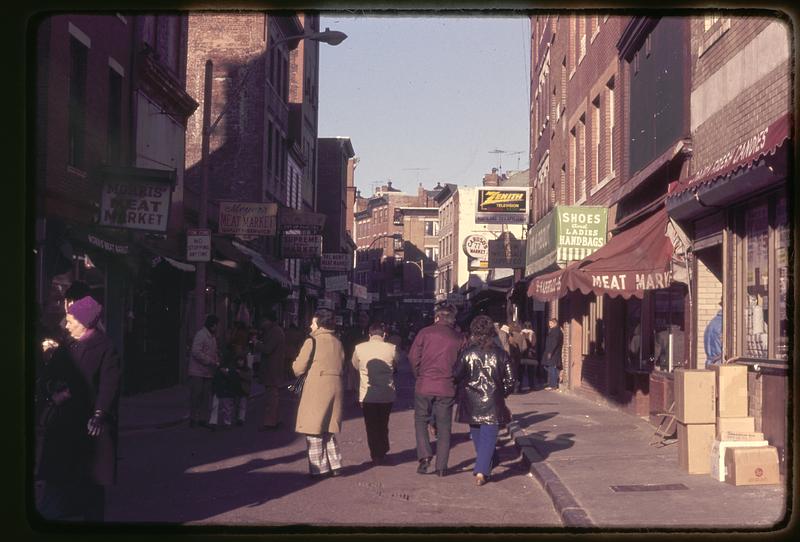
x,y
202,221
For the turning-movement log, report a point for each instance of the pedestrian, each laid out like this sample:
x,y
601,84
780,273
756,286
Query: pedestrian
x,y
272,371
376,362
433,356
517,345
501,336
529,361
354,335
294,340
226,387
552,354
79,450
712,339
484,378
319,414
203,362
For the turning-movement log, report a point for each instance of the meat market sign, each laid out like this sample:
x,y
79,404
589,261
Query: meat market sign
x,y
136,198
245,219
501,205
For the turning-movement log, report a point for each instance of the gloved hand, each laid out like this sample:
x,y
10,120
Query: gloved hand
x,y
96,423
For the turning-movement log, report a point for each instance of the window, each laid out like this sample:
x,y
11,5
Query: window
x,y
580,188
757,299
573,165
114,136
77,104
634,357
431,227
610,126
594,328
595,142
669,350
432,253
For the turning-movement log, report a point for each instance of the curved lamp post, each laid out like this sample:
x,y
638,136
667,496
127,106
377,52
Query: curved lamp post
x,y
331,37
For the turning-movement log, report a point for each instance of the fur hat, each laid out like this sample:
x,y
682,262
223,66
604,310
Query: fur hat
x,y
86,311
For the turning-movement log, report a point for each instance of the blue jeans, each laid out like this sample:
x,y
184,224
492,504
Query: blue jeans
x,y
484,437
552,376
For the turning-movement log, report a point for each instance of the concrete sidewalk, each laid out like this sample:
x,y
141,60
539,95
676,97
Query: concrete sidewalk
x,y
581,452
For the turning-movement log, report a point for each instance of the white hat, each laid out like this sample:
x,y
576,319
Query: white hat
x,y
504,328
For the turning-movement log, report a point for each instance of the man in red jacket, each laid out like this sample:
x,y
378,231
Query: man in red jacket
x,y
433,356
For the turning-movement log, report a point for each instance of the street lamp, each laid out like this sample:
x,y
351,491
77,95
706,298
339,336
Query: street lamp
x,y
331,37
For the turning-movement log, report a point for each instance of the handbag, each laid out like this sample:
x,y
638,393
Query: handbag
x,y
297,386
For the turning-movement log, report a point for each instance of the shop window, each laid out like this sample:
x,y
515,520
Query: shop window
x,y
594,328
765,243
79,55
634,357
669,344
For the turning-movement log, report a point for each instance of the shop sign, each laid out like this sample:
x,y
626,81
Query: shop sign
x,y
108,246
292,219
336,283
246,219
325,304
476,247
351,304
135,205
506,252
198,245
421,300
360,291
502,205
334,261
564,234
298,245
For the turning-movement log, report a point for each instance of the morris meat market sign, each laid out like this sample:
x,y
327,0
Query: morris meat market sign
x,y
501,205
247,219
135,205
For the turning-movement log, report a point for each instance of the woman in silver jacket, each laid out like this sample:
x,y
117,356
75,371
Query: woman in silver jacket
x,y
484,378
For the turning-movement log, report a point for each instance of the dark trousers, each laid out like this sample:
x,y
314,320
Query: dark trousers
x,y
83,500
442,410
528,372
552,376
376,420
516,370
199,398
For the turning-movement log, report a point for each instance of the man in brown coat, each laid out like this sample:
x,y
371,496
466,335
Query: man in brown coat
x,y
272,369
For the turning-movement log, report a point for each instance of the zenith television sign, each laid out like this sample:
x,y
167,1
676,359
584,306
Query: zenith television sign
x,y
501,205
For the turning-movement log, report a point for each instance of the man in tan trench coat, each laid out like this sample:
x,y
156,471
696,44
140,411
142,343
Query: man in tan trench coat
x,y
319,415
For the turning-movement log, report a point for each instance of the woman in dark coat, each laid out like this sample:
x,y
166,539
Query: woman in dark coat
x,y
484,378
79,451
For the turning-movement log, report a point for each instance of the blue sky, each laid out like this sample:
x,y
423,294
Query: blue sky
x,y
427,92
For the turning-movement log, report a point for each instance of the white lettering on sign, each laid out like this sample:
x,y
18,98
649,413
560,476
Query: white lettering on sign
x,y
580,218
548,286
135,205
747,148
652,281
609,282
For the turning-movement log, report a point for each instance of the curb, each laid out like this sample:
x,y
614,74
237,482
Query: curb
x,y
571,513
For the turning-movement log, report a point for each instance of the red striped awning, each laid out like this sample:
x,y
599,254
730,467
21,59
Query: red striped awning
x,y
632,262
744,155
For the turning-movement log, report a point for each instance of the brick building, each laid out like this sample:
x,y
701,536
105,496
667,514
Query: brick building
x,y
702,165
112,111
253,156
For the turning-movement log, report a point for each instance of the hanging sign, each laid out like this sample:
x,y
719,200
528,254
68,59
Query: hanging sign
x,y
360,291
336,283
247,219
334,261
506,252
292,219
476,247
297,245
198,245
135,205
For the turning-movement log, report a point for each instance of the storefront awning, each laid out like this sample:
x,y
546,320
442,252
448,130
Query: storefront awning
x,y
187,267
759,144
262,265
636,260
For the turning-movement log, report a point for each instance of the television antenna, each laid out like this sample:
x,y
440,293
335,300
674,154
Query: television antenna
x,y
518,153
417,169
499,153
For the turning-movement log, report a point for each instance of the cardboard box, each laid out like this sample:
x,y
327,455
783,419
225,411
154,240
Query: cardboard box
x,y
746,424
717,455
739,436
752,466
694,446
731,382
695,396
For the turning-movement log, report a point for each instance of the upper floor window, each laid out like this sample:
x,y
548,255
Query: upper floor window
x,y
114,136
431,227
79,55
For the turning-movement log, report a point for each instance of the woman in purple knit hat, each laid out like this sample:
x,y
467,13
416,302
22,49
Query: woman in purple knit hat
x,y
80,440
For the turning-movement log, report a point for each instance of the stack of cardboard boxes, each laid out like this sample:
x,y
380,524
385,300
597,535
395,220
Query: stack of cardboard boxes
x,y
715,435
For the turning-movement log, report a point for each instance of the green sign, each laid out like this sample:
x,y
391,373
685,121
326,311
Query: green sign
x,y
565,234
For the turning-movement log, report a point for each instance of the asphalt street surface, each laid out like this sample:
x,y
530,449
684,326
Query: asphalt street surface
x,y
243,476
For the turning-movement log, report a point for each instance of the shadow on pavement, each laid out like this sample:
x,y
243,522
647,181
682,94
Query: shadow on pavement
x,y
547,446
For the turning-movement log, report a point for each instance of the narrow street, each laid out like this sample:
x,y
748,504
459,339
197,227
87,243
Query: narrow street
x,y
241,476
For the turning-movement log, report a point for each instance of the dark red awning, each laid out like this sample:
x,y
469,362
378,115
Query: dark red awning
x,y
632,262
761,143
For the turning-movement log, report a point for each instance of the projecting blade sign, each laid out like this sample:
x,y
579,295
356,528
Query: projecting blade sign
x,y
501,205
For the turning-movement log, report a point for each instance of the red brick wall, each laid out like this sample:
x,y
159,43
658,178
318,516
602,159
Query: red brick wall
x,y
110,37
